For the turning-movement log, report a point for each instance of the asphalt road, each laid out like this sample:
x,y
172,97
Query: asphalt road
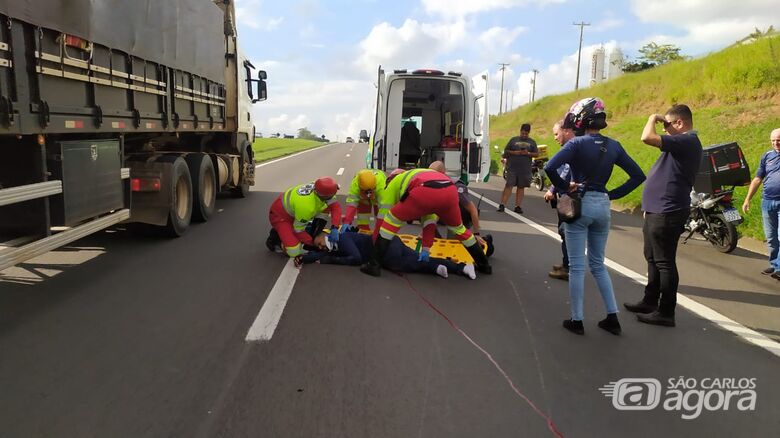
x,y
144,337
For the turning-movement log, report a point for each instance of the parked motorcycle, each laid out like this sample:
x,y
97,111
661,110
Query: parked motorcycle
x,y
714,217
538,177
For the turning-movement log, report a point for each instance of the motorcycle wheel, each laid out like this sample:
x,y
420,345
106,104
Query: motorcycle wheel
x,y
537,180
724,233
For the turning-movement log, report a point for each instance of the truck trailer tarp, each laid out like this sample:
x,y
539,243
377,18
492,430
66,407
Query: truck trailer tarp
x,y
183,34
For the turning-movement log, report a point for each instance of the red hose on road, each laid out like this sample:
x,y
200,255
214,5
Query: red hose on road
x,y
550,423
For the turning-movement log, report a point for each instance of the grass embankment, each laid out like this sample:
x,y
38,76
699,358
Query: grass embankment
x,y
269,148
734,95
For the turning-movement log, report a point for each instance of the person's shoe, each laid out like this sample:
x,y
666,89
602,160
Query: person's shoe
x,y
500,208
518,210
557,267
776,275
611,324
480,259
270,244
371,268
768,271
560,274
640,307
470,272
657,318
441,271
574,326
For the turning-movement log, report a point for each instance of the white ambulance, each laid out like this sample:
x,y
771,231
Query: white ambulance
x,y
449,112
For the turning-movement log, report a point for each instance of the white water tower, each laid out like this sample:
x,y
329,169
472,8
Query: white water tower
x,y
616,60
597,66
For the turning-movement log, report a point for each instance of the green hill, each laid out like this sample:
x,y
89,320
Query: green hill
x,y
734,95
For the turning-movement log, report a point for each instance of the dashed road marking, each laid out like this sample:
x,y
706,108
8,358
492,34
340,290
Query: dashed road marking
x,y
266,321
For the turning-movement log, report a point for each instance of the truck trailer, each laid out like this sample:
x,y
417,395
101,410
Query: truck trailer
x,y
449,112
134,111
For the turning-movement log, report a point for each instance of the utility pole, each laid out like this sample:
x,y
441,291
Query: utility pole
x,y
533,85
582,25
501,99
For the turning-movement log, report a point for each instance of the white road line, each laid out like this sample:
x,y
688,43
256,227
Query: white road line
x,y
265,324
340,172
347,155
703,311
293,155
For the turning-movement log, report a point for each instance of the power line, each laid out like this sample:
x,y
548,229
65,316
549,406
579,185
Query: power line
x,y
579,53
501,99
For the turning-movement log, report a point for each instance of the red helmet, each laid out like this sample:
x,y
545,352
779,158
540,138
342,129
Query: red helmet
x,y
326,187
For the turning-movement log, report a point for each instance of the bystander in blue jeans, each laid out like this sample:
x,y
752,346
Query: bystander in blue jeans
x,y
590,230
770,211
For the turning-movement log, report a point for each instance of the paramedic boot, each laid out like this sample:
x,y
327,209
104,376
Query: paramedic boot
x,y
273,240
373,266
480,259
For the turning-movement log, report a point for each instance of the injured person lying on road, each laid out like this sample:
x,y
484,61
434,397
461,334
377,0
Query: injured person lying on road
x,y
355,248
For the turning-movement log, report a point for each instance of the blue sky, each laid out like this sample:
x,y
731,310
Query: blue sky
x,y
321,55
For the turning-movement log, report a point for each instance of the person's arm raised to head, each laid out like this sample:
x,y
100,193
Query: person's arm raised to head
x,y
649,135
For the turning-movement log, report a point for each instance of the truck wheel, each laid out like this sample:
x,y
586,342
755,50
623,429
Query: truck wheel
x,y
242,191
204,186
180,209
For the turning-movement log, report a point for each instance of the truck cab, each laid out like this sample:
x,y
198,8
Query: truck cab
x,y
428,115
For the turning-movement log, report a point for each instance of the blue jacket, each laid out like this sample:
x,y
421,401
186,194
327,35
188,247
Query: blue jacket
x,y
582,155
355,249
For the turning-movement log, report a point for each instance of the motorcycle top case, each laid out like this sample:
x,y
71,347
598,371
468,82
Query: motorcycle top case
x,y
722,165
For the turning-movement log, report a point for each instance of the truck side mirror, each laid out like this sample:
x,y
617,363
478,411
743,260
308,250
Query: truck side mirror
x,y
262,88
262,91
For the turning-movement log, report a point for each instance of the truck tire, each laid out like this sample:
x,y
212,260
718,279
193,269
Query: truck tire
x,y
204,186
180,208
242,191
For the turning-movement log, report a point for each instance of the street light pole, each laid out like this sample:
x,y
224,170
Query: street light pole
x,y
501,98
533,85
579,53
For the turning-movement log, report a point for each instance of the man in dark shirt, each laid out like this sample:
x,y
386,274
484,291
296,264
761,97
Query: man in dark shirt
x,y
769,174
518,154
666,202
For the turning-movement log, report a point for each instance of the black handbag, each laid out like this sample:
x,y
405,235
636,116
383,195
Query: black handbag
x,y
569,205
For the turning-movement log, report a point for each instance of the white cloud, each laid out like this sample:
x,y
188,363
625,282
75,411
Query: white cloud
x,y
500,36
709,24
413,45
336,108
248,14
461,8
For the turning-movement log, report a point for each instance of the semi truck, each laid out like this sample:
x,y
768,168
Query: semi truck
x,y
126,111
449,111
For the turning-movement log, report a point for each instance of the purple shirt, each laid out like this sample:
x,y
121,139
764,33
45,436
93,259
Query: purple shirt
x,y
669,183
769,172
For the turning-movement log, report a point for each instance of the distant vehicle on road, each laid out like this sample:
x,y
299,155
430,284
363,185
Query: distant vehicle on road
x,y
288,136
350,140
363,137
